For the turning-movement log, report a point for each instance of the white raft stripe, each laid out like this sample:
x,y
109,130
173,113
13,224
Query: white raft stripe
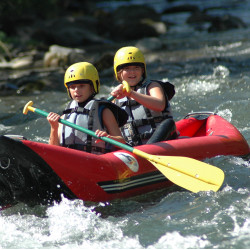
x,y
128,184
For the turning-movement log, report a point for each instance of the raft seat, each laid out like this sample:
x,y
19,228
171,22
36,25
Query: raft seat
x,y
191,127
201,131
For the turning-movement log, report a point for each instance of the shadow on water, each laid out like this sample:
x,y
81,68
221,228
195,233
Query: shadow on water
x,y
120,208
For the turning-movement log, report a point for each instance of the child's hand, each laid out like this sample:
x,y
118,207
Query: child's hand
x,y
121,90
53,119
118,92
100,133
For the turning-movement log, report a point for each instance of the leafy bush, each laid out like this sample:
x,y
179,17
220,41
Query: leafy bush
x,y
13,10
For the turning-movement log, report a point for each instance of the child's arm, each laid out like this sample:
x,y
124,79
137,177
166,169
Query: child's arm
x,y
113,131
54,138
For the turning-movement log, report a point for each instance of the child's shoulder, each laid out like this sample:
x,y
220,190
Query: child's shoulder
x,y
168,87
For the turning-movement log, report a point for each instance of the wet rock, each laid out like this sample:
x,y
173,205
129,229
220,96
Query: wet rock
x,y
22,86
149,44
216,23
199,17
105,62
69,31
221,72
136,22
137,12
159,27
105,21
31,87
133,31
181,8
31,81
7,89
22,60
79,6
18,63
226,22
59,55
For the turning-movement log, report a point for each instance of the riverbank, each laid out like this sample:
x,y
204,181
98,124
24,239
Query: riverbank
x,y
45,47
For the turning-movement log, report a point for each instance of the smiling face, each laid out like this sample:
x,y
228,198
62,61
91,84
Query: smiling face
x,y
81,92
131,74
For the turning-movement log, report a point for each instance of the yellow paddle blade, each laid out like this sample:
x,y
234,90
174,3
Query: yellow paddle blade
x,y
189,173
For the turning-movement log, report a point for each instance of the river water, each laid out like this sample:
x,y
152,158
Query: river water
x,y
211,73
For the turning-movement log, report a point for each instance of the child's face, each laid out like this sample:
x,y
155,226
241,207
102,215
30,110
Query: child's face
x,y
80,92
132,74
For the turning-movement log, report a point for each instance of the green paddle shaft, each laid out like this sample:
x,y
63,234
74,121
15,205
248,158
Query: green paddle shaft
x,y
111,98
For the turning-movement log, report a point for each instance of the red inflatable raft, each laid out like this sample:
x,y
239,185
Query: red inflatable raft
x,y
32,171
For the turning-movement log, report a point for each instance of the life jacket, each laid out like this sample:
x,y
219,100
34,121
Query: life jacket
x,y
89,117
142,121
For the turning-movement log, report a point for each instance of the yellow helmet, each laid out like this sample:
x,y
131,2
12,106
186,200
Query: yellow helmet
x,y
127,56
82,72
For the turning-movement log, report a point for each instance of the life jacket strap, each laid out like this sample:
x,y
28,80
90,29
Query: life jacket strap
x,y
78,110
148,121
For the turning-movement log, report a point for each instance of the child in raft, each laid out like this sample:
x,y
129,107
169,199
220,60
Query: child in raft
x,y
147,101
82,83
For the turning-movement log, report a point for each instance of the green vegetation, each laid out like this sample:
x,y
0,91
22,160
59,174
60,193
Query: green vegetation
x,y
22,9
14,13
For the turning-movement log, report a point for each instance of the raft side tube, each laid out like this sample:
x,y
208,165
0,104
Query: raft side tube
x,y
26,177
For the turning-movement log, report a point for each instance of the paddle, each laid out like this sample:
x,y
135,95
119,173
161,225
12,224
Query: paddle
x,y
126,88
188,173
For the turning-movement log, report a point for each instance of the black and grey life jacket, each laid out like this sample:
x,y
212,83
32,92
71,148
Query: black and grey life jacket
x,y
89,117
142,121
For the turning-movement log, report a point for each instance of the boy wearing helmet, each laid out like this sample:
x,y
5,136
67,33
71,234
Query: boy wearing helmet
x,y
82,83
147,102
